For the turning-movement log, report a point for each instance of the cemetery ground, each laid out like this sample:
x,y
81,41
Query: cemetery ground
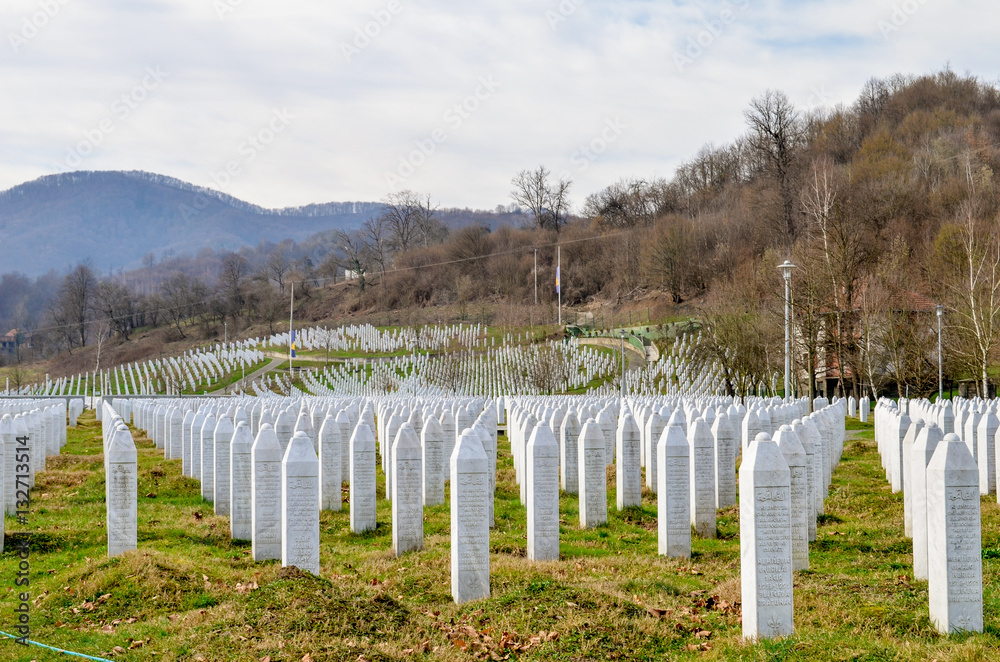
x,y
190,593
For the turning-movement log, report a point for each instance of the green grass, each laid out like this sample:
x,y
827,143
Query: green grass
x,y
189,592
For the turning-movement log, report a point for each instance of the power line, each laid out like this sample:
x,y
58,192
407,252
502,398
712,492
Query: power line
x,y
316,281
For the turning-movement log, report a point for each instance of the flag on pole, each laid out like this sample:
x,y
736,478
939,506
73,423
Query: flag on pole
x,y
293,343
557,278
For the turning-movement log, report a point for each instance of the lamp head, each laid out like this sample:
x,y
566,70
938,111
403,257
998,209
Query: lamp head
x,y
786,269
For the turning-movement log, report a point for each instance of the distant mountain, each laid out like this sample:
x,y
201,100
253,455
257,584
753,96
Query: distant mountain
x,y
115,218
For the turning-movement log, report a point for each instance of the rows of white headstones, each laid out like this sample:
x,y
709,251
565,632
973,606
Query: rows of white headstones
x,y
30,430
507,369
369,339
271,464
171,375
942,457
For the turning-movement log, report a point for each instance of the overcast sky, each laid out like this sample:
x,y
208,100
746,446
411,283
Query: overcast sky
x,y
326,100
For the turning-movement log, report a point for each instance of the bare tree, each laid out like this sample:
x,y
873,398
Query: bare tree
x,y
409,219
276,268
357,257
547,201
183,296
775,134
232,284
376,235
76,297
118,305
625,204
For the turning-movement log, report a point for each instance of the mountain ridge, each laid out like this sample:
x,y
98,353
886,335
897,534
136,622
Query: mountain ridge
x,y
116,217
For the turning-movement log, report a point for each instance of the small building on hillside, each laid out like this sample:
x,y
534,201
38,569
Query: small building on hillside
x,y
9,341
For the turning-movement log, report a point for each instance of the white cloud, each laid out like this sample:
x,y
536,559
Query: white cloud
x,y
561,82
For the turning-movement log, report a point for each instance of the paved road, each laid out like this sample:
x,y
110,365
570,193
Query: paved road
x,y
636,359
272,365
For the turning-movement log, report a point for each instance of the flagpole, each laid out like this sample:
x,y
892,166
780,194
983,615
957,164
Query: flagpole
x,y
558,274
291,331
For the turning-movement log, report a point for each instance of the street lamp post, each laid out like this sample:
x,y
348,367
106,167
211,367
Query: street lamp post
x,y
786,271
940,313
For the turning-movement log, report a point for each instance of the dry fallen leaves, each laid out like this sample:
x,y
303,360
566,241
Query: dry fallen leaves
x,y
243,589
486,643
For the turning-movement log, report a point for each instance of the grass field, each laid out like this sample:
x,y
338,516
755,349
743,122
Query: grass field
x,y
190,593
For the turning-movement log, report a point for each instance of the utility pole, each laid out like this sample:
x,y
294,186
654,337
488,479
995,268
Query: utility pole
x,y
536,276
558,288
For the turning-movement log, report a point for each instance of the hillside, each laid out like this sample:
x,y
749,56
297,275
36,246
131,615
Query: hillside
x,y
115,218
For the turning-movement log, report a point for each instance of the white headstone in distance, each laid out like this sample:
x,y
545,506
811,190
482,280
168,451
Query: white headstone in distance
x,y
673,498
240,500
593,477
206,471
265,495
906,449
223,440
346,430
175,426
330,464
954,529
300,505
407,492
765,541
795,456
122,504
470,530
725,461
651,437
432,442
542,468
628,472
362,479
703,467
986,440
569,436
920,456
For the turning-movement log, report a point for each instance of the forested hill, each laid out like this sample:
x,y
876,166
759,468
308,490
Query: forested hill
x,y
114,218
